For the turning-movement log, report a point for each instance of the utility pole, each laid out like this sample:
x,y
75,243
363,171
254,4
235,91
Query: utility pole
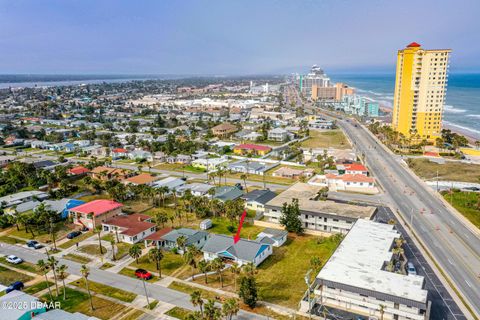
x,y
307,281
146,293
437,180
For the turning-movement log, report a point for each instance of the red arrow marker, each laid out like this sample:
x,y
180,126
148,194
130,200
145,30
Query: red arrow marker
x,y
237,236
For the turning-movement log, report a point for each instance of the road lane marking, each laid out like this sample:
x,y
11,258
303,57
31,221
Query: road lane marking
x,y
450,261
468,283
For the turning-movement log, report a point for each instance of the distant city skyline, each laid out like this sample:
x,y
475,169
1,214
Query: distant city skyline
x,y
229,38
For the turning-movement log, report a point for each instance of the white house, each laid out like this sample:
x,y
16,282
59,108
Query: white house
x,y
130,228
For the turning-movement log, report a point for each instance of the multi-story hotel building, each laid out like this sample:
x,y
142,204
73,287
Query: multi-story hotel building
x,y
420,87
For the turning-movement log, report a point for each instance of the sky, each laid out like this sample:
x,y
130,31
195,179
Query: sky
x,y
227,37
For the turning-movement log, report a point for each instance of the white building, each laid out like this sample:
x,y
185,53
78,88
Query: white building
x,y
354,278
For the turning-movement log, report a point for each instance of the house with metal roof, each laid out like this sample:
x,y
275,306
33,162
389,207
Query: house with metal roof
x,y
23,306
242,252
255,200
275,237
195,238
225,193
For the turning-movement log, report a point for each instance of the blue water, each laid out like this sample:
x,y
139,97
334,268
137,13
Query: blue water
x,y
462,107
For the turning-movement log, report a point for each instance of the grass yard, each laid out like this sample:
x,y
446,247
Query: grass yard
x,y
77,258
151,305
78,301
256,177
170,263
73,241
106,266
281,277
27,266
10,240
455,171
41,234
178,313
467,203
326,139
92,249
220,226
106,290
38,287
133,315
8,276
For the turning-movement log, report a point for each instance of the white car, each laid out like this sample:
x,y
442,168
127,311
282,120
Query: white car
x,y
14,259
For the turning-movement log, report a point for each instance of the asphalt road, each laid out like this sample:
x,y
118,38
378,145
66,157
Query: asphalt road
x,y
156,292
454,246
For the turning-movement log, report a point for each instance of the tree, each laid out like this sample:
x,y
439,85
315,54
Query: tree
x,y
248,291
62,275
189,258
44,269
181,243
212,312
161,218
135,252
290,218
244,177
235,270
53,263
204,267
48,218
85,273
112,243
196,300
98,231
156,255
218,265
230,308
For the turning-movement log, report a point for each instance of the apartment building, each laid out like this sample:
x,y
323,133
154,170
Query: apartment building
x,y
355,279
320,215
420,89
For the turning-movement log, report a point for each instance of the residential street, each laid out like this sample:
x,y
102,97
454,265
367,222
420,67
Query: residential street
x,y
116,280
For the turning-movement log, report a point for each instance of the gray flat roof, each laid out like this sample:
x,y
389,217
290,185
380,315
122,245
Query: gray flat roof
x,y
305,193
359,260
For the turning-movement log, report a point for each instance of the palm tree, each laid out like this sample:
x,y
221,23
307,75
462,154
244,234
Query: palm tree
x,y
235,270
204,267
135,252
85,273
382,310
53,263
212,312
244,177
98,231
44,269
189,258
230,308
218,265
112,243
249,269
181,242
196,300
156,255
62,275
160,218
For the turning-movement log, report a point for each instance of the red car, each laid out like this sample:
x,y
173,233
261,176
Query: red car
x,y
141,273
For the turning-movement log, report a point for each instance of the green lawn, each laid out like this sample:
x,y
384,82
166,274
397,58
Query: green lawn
x,y
77,258
455,171
92,249
80,238
78,301
27,266
220,226
178,313
38,287
8,276
151,305
41,233
281,276
106,265
467,203
169,264
10,240
106,290
326,139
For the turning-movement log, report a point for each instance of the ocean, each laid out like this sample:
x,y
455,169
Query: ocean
x,y
462,107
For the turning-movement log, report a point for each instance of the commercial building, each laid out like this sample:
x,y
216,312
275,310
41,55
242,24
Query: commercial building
x,y
420,88
320,215
316,77
355,278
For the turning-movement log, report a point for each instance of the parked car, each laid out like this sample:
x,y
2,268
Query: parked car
x,y
84,229
18,285
411,269
14,259
142,273
73,234
34,244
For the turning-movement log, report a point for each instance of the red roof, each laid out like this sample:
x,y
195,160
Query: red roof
x,y
119,150
355,167
431,154
413,45
78,170
134,223
159,234
97,207
253,147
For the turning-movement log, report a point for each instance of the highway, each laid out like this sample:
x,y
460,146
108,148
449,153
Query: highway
x,y
453,244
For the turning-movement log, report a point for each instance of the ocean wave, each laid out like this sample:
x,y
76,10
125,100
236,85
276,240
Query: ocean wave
x,y
448,123
473,115
452,109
